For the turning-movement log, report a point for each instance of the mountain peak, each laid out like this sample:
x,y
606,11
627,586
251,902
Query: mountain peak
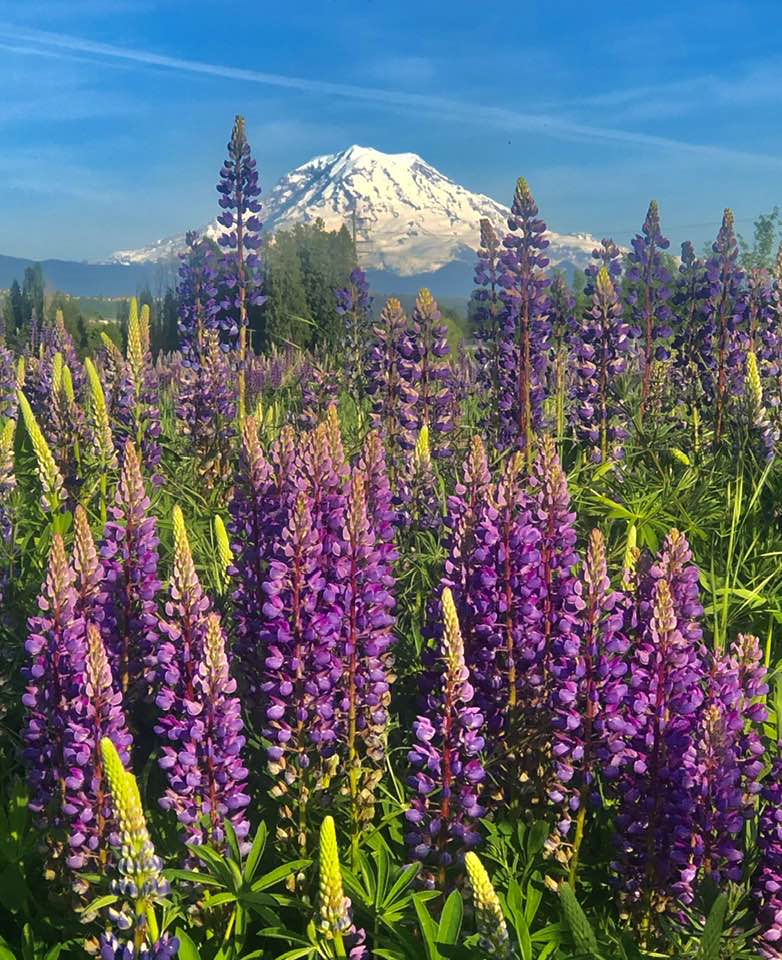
x,y
410,218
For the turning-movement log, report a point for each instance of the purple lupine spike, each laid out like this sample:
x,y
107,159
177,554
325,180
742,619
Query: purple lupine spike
x,y
7,384
418,489
129,555
552,644
240,268
201,727
429,373
7,508
183,630
660,712
724,311
55,649
372,464
600,346
767,883
607,255
256,514
447,773
95,713
364,645
586,711
206,408
354,305
693,355
507,598
319,391
525,328
300,672
196,293
110,948
648,295
724,769
487,320
391,394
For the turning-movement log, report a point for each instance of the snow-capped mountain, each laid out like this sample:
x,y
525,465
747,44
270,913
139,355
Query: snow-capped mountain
x,y
410,218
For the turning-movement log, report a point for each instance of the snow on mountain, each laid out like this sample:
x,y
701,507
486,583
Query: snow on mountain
x,y
410,219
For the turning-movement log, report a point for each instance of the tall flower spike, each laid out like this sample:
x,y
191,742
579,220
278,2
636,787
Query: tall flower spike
x,y
203,742
55,649
129,554
364,651
354,304
487,320
97,713
759,421
601,345
430,372
525,327
87,567
141,881
767,883
492,927
48,474
103,441
447,773
724,311
649,291
240,268
334,920
224,554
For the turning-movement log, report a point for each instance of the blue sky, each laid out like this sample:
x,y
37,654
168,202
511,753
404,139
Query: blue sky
x,y
114,113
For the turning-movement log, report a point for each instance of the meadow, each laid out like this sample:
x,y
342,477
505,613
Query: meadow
x,y
404,645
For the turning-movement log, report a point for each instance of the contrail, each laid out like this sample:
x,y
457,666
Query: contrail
x,y
463,111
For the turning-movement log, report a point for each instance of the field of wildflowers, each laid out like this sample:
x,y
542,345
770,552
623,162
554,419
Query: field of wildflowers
x,y
414,650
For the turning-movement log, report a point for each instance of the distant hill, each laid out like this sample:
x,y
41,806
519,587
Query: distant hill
x,y
84,279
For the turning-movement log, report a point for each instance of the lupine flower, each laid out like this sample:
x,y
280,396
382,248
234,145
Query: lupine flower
x,y
759,421
334,920
391,393
141,881
525,328
693,343
240,267
767,883
353,305
206,408
648,294
8,383
55,649
49,476
201,730
447,773
417,488
166,948
224,554
492,928
587,717
488,310
372,464
96,713
725,768
88,570
102,439
429,372
184,626
364,644
601,345
300,672
724,311
7,480
65,422
661,709
256,518
561,307
506,598
607,255
129,555
196,297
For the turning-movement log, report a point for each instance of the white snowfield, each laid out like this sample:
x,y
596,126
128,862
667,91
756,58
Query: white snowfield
x,y
410,219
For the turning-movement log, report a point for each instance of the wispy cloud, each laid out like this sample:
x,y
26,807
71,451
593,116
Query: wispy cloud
x,y
550,124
